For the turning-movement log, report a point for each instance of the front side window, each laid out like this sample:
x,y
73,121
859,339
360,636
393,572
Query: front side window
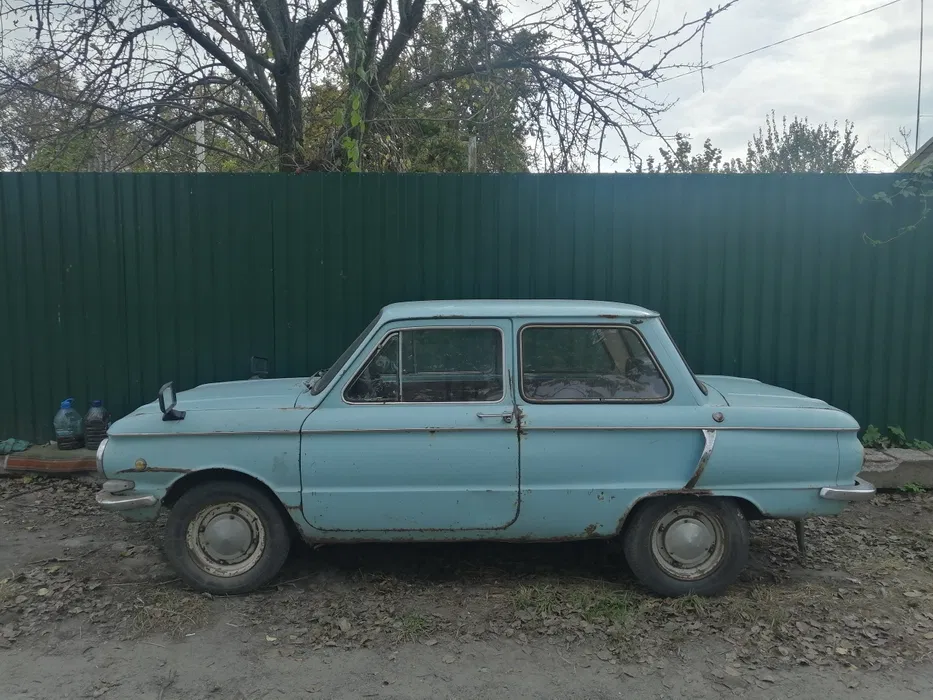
x,y
588,363
432,365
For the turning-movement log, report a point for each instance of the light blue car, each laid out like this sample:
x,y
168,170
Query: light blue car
x,y
484,420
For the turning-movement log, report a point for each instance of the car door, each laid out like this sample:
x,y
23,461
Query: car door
x,y
601,426
418,435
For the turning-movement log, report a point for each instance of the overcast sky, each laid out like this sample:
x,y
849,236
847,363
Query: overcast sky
x,y
864,70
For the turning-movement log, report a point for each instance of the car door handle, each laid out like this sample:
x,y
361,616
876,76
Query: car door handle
x,y
506,417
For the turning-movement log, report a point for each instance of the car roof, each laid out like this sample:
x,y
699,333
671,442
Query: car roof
x,y
505,308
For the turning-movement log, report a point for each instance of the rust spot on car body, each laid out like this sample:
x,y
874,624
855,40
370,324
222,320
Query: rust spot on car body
x,y
169,470
609,316
402,537
657,494
677,492
520,422
696,477
590,530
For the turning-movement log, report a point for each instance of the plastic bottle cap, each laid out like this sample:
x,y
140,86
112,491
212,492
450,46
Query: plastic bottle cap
x,y
97,403
67,403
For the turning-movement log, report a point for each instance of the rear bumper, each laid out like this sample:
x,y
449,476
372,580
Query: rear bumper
x,y
860,491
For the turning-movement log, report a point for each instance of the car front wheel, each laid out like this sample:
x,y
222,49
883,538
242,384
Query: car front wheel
x,y
685,545
226,537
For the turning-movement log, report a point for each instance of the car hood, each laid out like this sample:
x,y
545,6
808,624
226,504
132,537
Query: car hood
x,y
249,393
738,391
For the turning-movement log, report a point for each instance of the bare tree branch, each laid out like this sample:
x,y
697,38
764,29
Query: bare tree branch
x,y
567,83
214,50
310,25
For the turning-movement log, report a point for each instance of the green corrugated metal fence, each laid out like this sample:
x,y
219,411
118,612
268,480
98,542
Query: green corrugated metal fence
x,y
112,284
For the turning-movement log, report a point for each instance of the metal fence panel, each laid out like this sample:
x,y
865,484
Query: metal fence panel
x,y
113,284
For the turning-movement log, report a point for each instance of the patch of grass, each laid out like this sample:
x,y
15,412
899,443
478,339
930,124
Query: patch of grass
x,y
170,611
772,607
691,605
912,488
7,590
591,603
612,605
413,626
767,605
540,599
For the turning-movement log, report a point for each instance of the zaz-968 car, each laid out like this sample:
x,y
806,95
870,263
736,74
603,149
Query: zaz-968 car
x,y
484,420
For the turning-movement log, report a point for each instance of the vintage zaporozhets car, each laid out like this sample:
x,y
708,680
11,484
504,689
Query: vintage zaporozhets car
x,y
484,420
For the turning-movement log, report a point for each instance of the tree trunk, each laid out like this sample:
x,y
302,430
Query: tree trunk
x,y
289,129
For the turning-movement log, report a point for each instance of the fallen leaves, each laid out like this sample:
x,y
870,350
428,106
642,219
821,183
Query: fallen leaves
x,y
861,602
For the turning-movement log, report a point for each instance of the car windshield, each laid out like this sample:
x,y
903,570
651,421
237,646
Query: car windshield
x,y
700,384
331,372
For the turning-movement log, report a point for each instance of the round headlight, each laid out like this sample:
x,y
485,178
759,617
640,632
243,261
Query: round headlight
x,y
100,455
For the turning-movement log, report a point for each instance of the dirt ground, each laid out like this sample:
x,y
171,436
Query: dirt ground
x,y
89,608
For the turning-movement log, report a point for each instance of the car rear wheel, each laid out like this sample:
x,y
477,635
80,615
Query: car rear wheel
x,y
226,537
685,545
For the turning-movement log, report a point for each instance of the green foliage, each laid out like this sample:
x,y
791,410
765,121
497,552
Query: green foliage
x,y
358,78
917,186
42,133
872,437
429,129
799,147
912,487
895,437
791,147
681,159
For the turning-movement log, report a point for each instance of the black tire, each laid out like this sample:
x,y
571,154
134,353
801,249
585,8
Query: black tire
x,y
644,544
247,506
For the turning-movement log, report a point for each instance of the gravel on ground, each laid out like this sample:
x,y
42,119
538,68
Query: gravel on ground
x,y
89,607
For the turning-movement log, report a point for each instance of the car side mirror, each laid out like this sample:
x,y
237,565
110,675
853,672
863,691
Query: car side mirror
x,y
167,403
258,367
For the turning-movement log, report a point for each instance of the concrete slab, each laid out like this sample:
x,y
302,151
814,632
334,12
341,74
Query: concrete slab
x,y
905,455
879,457
896,467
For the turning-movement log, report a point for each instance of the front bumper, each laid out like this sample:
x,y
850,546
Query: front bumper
x,y
118,496
860,491
124,501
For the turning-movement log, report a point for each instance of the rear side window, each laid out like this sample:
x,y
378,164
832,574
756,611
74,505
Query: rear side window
x,y
566,364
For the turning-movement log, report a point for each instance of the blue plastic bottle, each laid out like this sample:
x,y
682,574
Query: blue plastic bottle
x,y
69,427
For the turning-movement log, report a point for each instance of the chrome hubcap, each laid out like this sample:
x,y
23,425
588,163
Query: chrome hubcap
x,y
688,543
226,539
